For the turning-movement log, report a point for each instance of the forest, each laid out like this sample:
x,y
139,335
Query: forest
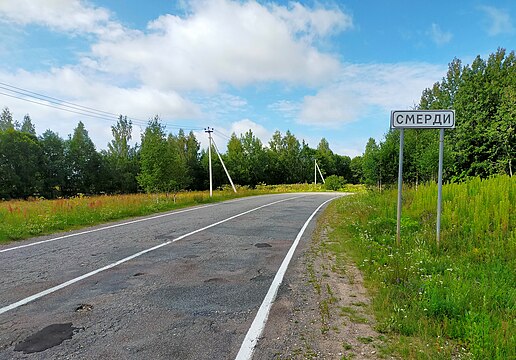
x,y
51,167
483,144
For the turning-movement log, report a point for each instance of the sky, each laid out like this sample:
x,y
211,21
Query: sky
x,y
321,69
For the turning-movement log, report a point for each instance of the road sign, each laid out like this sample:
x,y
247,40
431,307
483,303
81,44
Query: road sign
x,y
423,119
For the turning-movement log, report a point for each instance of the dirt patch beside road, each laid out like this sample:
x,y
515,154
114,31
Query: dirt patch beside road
x,y
322,310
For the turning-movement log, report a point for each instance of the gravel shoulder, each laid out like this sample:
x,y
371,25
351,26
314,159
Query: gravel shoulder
x,y
322,310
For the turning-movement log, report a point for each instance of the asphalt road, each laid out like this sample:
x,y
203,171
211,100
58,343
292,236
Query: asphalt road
x,y
181,285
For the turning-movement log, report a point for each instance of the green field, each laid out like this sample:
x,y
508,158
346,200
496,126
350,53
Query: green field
x,y
453,301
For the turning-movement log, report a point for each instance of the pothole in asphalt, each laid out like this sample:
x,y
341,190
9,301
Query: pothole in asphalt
x,y
216,280
46,338
139,274
263,245
84,308
261,278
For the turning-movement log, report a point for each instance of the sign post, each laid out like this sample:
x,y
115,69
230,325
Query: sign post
x,y
422,119
400,186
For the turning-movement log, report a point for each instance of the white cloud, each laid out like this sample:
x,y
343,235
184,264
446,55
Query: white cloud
x,y
226,42
313,23
329,107
71,16
221,134
360,88
499,20
244,125
217,42
439,36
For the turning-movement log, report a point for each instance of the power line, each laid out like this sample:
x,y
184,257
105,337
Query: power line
x,y
220,133
63,105
51,99
56,107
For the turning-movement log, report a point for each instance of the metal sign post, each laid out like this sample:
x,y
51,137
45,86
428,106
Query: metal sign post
x,y
440,185
400,185
422,119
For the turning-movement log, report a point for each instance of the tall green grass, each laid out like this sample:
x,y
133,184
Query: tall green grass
x,y
458,300
24,219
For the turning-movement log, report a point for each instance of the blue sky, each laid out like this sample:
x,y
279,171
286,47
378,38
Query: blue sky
x,y
330,69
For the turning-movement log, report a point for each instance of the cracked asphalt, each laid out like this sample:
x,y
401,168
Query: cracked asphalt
x,y
191,299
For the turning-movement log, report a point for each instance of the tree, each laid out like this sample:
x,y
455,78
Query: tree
x,y
284,159
121,158
162,168
276,168
122,133
53,164
153,154
27,126
189,152
235,160
325,158
371,166
246,159
506,129
178,174
84,163
255,158
307,156
477,146
343,167
291,157
356,170
20,159
6,120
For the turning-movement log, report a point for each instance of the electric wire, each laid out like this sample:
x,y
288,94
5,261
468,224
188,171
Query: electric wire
x,y
56,107
63,105
52,99
220,133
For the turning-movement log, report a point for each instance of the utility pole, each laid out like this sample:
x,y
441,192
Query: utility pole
x,y
224,166
320,173
209,131
315,171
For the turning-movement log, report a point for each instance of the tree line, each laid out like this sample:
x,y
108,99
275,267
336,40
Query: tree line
x,y
483,143
50,167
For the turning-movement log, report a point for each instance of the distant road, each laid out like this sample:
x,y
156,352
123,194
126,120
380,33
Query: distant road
x,y
181,285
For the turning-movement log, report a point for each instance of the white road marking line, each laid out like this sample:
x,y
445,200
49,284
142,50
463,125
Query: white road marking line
x,y
256,329
106,228
94,272
118,225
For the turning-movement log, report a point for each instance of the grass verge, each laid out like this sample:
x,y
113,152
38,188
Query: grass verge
x,y
25,219
455,301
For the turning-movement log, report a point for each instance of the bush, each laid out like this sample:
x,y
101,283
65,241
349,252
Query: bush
x,y
334,182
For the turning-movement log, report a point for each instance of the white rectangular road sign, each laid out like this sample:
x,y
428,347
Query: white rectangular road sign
x,y
423,119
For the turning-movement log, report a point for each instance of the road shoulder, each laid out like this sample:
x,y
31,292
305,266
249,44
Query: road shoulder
x,y
322,310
